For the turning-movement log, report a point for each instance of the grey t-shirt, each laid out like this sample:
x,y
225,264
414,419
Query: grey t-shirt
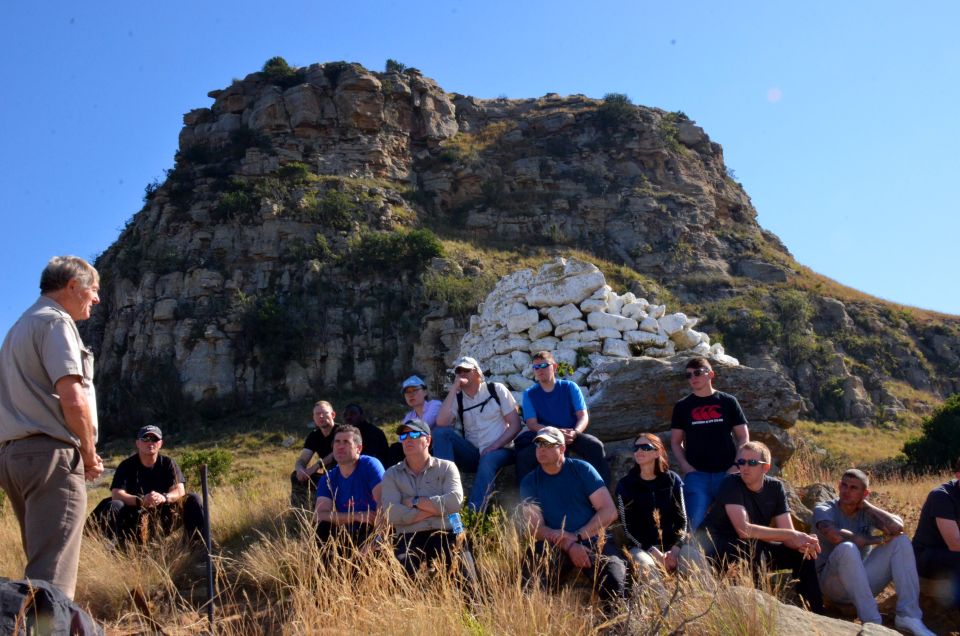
x,y
42,347
861,523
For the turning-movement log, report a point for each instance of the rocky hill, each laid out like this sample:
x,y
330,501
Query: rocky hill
x,y
330,227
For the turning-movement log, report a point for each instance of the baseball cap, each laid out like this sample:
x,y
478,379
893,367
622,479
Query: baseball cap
x,y
467,363
550,434
149,430
414,425
413,380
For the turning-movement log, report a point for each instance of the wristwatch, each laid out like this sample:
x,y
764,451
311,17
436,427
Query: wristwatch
x,y
415,501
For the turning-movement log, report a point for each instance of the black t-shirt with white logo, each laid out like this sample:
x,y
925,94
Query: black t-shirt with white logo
x,y
138,480
707,423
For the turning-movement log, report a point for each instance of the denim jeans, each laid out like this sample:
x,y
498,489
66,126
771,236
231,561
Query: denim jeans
x,y
449,444
699,491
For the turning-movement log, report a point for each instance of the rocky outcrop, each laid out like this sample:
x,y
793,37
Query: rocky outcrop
x,y
274,261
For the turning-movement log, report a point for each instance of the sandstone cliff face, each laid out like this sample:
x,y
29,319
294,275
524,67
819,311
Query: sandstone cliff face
x,y
279,258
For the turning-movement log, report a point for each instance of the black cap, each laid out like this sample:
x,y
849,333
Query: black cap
x,y
414,425
150,429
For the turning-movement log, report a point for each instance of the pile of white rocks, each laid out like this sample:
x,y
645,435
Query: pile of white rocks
x,y
567,308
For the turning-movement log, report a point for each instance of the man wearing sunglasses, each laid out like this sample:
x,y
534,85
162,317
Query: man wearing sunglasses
x,y
560,404
707,428
489,421
566,508
864,549
751,520
149,484
419,494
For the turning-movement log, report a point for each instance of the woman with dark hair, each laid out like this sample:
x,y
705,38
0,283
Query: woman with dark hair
x,y
650,502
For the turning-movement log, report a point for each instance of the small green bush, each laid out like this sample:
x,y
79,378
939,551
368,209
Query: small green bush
x,y
394,66
337,209
616,110
218,463
461,293
938,446
392,251
296,172
239,202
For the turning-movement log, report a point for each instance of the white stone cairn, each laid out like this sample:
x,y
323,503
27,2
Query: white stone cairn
x,y
567,308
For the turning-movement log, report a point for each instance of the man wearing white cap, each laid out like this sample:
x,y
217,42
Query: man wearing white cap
x,y
489,421
567,508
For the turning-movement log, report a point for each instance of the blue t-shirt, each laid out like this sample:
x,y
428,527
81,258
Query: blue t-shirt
x,y
356,491
557,408
564,498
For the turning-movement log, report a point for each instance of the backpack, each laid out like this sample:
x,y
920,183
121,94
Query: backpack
x,y
39,607
491,389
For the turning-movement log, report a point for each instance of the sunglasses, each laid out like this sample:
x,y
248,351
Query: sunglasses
x,y
411,435
541,365
696,373
750,462
461,371
546,444
149,438
644,447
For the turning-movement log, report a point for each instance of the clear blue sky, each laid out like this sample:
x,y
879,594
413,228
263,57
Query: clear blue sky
x,y
839,118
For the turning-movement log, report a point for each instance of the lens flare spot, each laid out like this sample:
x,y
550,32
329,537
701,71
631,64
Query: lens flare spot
x,y
774,95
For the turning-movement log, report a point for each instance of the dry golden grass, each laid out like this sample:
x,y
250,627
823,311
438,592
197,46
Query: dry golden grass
x,y
848,443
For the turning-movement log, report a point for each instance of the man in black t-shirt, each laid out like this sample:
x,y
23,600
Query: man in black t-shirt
x,y
936,542
751,520
149,485
304,478
707,428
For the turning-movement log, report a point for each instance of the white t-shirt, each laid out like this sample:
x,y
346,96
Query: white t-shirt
x,y
483,421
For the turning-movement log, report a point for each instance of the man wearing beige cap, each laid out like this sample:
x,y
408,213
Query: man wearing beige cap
x,y
567,508
483,442
48,421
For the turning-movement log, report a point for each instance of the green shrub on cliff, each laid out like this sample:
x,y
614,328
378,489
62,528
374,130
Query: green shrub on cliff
x,y
939,443
388,252
616,110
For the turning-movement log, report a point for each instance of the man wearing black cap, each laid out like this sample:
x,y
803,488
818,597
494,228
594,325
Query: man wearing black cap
x,y
149,483
422,496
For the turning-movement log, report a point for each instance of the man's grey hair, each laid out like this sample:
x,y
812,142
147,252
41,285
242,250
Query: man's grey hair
x,y
62,269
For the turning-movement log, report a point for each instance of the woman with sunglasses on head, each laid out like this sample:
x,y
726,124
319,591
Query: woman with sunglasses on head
x,y
650,502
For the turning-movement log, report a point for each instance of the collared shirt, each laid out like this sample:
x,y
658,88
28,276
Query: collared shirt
x,y
439,481
42,347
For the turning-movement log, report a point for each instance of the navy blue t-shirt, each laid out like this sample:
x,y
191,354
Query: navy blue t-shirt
x,y
564,498
353,493
557,408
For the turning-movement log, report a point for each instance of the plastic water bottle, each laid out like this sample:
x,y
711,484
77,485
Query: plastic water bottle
x,y
456,523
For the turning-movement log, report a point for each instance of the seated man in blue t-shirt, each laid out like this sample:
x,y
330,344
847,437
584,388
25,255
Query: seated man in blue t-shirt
x,y
566,508
557,403
348,495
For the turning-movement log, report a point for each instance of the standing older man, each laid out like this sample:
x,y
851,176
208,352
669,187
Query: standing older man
x,y
488,420
567,506
558,403
419,495
48,421
857,563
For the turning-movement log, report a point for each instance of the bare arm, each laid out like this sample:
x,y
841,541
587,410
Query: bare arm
x,y
741,435
950,531
583,420
79,420
838,535
783,531
449,407
889,523
513,428
677,439
606,513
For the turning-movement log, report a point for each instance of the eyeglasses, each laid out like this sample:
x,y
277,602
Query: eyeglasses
x,y
461,371
413,389
697,373
411,435
541,365
750,462
644,447
545,444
